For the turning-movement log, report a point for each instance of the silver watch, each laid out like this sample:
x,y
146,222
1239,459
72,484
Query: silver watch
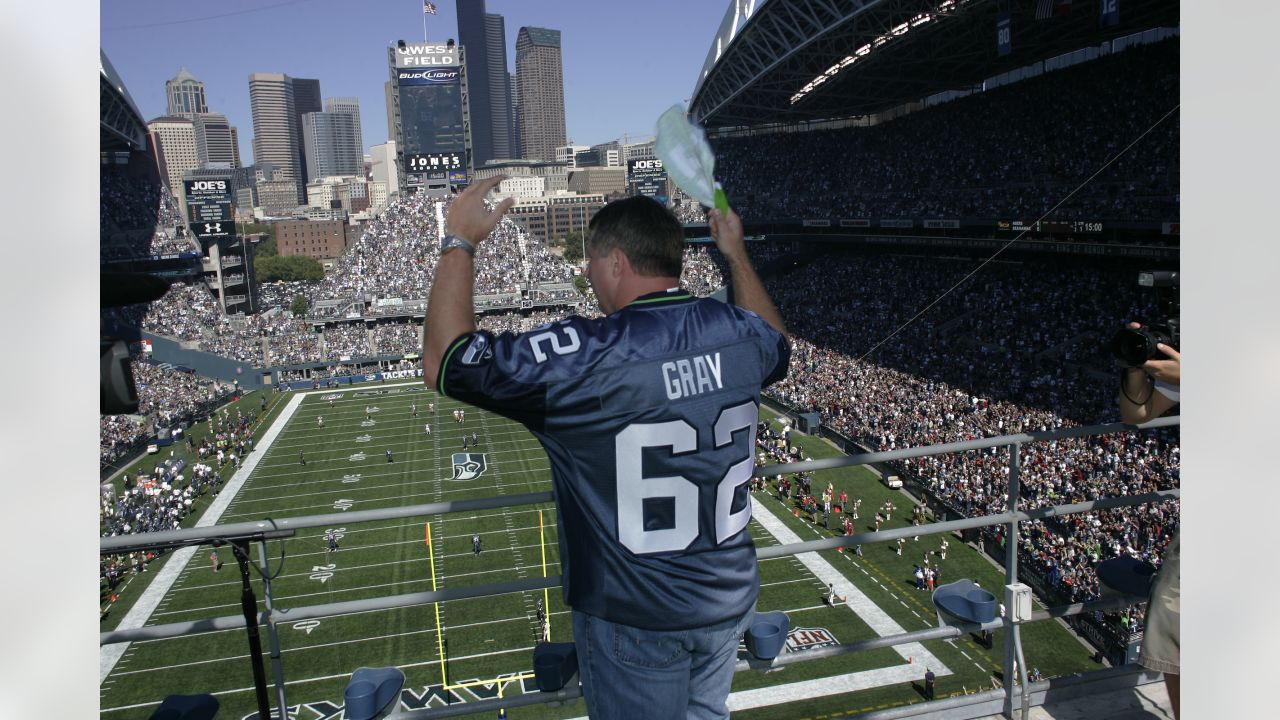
x,y
450,241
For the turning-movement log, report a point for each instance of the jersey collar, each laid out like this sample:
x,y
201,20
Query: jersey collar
x,y
669,295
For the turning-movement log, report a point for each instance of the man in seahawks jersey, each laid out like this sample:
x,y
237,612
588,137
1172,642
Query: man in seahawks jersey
x,y
648,416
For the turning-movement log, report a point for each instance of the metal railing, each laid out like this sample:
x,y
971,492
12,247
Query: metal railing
x,y
1019,694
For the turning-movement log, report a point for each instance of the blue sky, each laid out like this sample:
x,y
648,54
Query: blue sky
x,y
624,62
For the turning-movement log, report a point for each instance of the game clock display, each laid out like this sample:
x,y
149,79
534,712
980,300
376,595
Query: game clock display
x,y
1074,226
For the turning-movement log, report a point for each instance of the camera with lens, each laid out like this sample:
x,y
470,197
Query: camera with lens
x,y
1133,347
118,391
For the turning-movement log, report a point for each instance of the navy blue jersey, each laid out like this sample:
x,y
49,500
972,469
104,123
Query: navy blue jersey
x,y
648,417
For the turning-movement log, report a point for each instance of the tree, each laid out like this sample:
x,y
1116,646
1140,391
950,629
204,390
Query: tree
x,y
293,267
299,306
267,247
573,246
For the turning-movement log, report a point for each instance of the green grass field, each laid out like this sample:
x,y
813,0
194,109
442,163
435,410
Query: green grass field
x,y
485,639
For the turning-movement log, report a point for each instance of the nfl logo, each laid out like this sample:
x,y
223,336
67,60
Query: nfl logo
x,y
801,639
468,466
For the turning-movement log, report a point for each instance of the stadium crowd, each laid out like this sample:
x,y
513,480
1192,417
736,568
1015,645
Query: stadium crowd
x,y
166,397
913,392
952,161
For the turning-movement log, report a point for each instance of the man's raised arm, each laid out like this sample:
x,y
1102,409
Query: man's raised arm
x,y
748,291
451,305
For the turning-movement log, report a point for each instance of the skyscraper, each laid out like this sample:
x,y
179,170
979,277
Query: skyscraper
x,y
495,50
275,127
349,106
175,139
185,95
540,87
483,38
216,140
306,99
331,140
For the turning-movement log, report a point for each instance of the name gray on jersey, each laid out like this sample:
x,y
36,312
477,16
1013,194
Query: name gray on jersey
x,y
691,376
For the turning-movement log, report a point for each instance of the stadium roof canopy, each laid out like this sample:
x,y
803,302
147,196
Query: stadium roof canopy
x,y
800,60
121,123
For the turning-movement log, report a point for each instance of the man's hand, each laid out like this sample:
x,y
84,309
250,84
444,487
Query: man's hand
x,y
726,229
468,218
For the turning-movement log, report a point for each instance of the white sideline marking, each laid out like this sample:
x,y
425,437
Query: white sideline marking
x,y
140,613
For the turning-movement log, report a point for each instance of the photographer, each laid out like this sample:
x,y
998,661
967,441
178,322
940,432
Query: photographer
x,y
1147,391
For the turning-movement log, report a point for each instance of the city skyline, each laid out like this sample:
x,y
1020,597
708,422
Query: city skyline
x,y
622,66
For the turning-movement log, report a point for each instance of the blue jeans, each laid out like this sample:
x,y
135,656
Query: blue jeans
x,y
630,672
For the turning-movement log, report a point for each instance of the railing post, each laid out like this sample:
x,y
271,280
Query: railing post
x,y
249,607
273,633
1011,644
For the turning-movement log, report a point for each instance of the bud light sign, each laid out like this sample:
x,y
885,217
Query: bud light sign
x,y
427,76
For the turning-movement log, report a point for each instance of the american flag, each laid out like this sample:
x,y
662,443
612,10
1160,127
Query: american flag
x,y
429,8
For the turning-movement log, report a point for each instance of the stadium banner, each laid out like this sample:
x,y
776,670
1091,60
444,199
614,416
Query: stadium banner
x,y
212,229
815,223
1017,226
855,222
459,177
897,223
428,76
427,56
647,176
209,200
1109,12
434,163
352,379
1004,34
942,224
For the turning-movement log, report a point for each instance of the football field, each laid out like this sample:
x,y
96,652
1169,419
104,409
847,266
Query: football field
x,y
373,451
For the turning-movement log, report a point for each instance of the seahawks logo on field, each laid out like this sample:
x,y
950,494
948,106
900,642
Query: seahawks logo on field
x,y
468,466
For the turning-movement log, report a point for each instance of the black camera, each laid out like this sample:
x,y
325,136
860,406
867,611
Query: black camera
x,y
118,391
1133,347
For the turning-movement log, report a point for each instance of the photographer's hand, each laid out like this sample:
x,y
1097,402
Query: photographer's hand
x,y
1169,371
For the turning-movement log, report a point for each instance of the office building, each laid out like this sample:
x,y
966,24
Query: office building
x,y
483,39
383,172
277,194
306,99
320,239
554,217
348,106
606,180
275,134
540,86
330,144
184,95
174,139
216,140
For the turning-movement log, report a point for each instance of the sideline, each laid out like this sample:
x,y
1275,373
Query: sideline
x,y
140,613
870,613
